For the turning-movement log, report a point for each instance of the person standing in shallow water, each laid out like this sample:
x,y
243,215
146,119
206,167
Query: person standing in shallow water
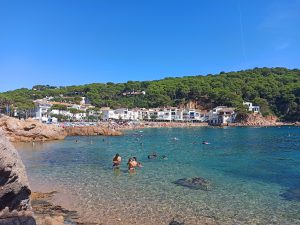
x,y
131,165
117,161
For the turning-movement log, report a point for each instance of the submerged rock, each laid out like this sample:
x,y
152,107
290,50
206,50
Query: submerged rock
x,y
292,194
15,207
196,183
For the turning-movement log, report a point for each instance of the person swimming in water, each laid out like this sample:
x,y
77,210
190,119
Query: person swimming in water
x,y
205,142
153,155
117,161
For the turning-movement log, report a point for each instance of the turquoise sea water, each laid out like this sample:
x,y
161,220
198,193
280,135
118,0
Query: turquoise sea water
x,y
254,175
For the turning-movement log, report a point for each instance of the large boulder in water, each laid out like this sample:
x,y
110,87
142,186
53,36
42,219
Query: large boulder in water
x,y
15,207
196,183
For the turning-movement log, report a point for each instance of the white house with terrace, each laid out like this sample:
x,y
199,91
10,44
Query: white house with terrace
x,y
42,109
221,115
194,115
251,107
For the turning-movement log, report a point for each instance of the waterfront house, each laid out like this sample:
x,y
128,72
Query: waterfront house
x,y
194,115
221,115
108,114
176,114
120,114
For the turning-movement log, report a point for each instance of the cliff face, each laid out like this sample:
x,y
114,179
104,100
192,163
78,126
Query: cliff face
x,y
30,130
91,131
15,205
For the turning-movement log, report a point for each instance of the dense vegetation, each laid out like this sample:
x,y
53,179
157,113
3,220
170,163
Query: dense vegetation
x,y
275,90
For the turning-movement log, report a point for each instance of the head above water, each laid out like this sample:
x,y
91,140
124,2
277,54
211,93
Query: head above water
x,y
116,157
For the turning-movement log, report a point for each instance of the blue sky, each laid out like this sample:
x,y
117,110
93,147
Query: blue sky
x,y
66,42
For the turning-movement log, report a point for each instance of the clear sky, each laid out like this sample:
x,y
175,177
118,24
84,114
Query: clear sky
x,y
66,42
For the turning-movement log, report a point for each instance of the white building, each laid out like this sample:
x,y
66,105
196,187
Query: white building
x,y
194,115
158,114
221,115
42,110
176,114
251,107
108,114
120,114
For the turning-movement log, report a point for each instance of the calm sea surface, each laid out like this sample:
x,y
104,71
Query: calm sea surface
x,y
254,175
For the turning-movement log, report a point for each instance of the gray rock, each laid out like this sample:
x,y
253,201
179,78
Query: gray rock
x,y
196,183
15,205
20,220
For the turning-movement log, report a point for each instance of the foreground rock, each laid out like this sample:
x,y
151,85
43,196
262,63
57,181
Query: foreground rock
x,y
196,183
30,130
91,131
15,205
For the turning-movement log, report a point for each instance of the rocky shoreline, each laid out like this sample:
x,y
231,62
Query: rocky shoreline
x,y
91,131
34,131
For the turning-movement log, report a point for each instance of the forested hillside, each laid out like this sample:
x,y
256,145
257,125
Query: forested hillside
x,y
275,90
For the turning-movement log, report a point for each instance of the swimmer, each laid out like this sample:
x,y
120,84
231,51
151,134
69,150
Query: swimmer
x,y
205,143
153,155
130,165
134,162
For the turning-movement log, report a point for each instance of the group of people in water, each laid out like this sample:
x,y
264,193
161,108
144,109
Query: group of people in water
x,y
132,163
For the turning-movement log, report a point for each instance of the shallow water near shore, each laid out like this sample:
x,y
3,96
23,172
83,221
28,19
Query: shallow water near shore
x,y
254,175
